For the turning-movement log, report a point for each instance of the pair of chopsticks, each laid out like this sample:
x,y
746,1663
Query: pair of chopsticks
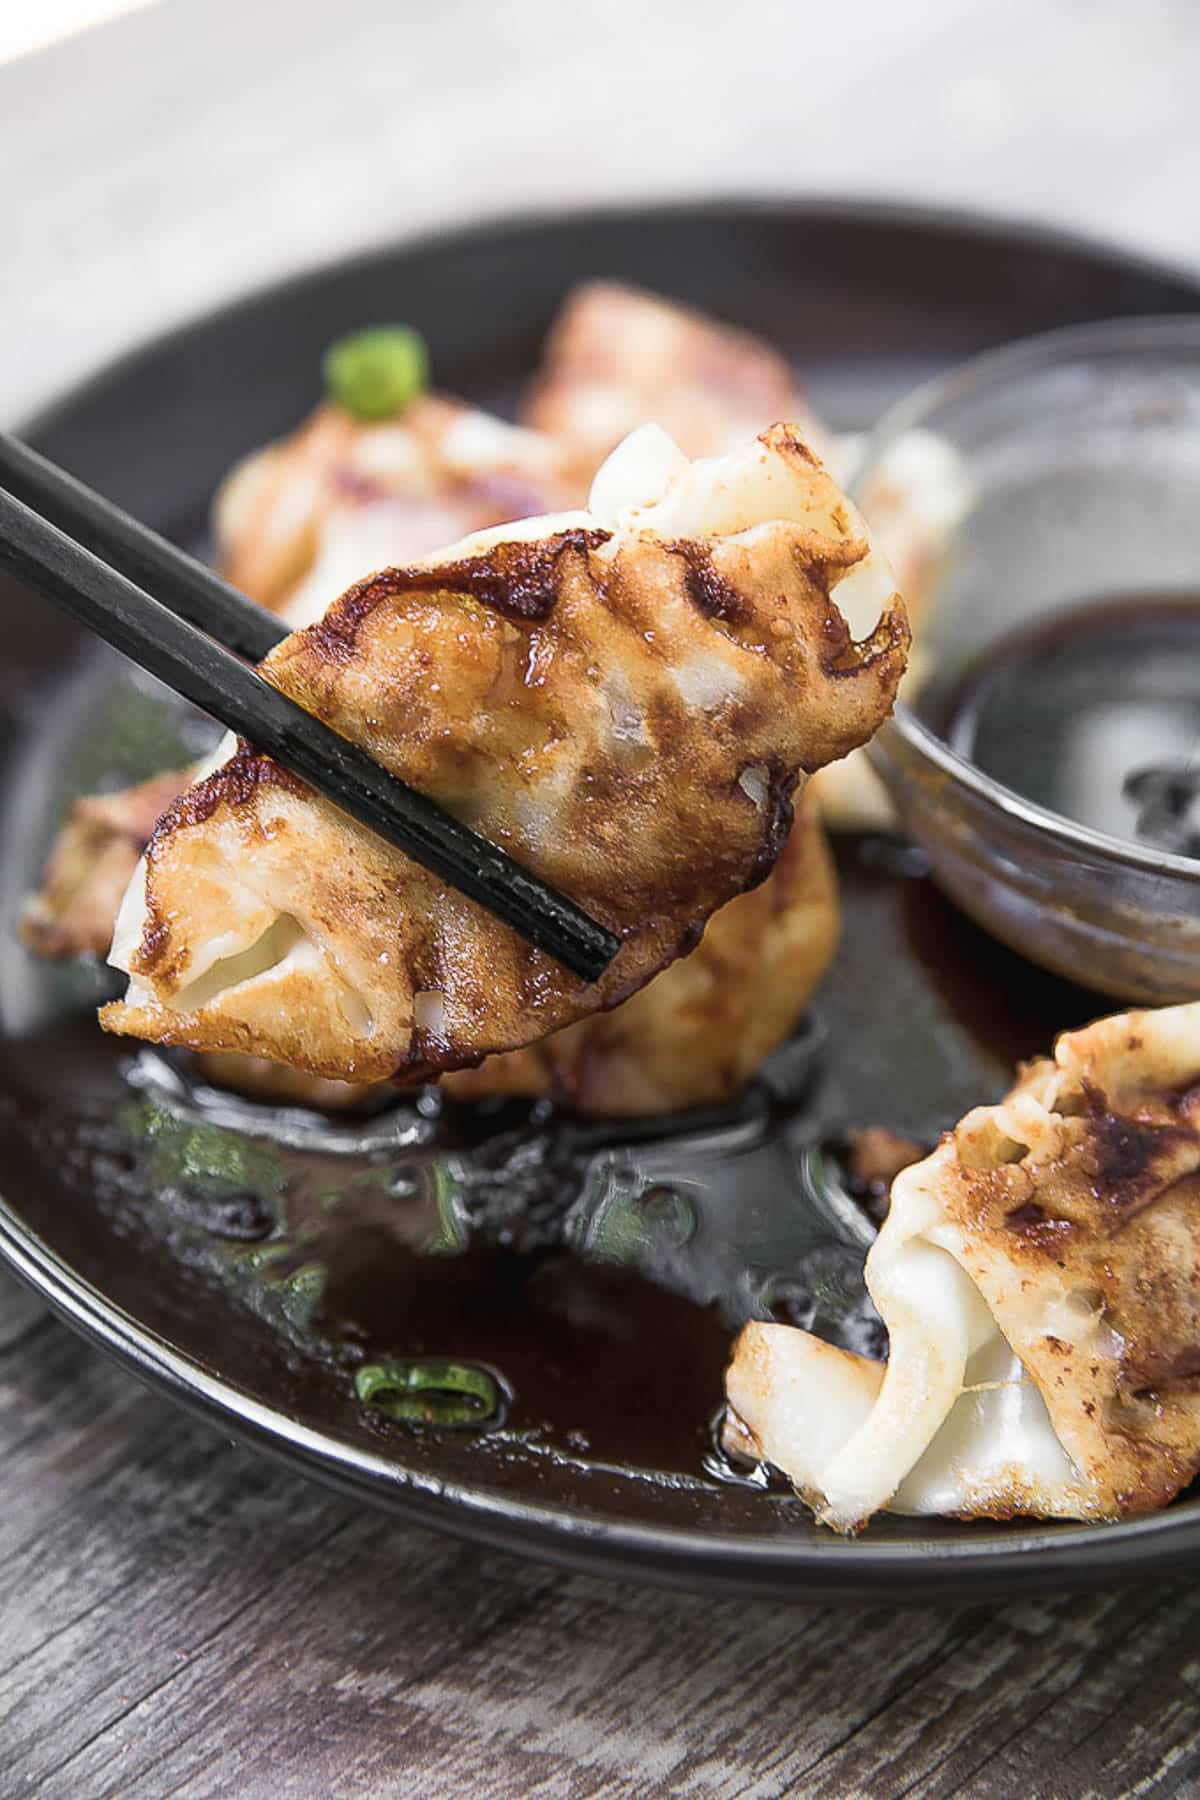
x,y
183,624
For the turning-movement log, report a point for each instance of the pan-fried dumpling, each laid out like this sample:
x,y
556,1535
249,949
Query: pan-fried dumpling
x,y
295,523
698,1032
300,520
624,697
1039,1276
915,499
617,358
913,503
694,1036
90,866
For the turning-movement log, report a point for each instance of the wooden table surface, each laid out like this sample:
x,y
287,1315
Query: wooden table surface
x,y
178,1616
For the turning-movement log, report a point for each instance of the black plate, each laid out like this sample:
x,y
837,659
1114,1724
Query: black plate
x,y
250,1263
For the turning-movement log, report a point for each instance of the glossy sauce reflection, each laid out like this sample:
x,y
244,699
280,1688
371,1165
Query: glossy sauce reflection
x,y
1082,713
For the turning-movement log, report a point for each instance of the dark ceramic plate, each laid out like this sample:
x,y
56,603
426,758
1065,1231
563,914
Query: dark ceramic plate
x,y
253,1263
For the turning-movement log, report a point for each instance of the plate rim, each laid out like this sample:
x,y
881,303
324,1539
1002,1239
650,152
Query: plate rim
x,y
873,211
1033,1556
1026,1559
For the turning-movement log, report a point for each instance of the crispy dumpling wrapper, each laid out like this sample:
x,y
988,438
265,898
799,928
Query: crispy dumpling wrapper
x,y
297,522
1039,1276
623,698
91,864
342,493
617,356
300,519
914,502
694,1036
697,1033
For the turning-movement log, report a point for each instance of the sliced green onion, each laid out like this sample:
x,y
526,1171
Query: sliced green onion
x,y
376,373
430,1393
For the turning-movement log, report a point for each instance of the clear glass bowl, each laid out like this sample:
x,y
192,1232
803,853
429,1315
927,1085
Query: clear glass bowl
x,y
1080,453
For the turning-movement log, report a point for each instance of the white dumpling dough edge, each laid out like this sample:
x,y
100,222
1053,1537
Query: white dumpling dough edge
x,y
951,1423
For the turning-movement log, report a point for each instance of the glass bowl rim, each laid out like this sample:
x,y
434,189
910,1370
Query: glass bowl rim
x,y
913,411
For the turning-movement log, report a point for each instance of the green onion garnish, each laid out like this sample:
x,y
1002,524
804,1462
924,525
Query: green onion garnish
x,y
430,1393
376,373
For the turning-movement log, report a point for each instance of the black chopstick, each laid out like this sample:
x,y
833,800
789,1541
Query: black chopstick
x,y
191,590
210,675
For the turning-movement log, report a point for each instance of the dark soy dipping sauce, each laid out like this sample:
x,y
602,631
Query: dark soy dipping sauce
x,y
622,1362
603,1362
600,1272
1094,714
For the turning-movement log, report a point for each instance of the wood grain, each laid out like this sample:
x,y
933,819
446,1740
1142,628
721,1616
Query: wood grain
x,y
180,1617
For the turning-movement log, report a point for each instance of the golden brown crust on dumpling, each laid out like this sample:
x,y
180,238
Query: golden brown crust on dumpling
x,y
90,866
269,511
274,1084
617,357
696,1034
434,473
1039,1278
627,714
294,522
1075,1207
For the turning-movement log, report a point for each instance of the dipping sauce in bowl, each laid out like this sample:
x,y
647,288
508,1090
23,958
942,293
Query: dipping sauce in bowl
x,y
1094,714
1046,752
